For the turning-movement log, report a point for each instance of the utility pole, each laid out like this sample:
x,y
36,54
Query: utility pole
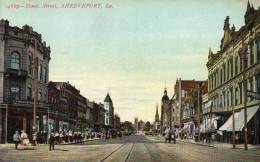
x,y
199,86
233,127
245,93
170,109
34,86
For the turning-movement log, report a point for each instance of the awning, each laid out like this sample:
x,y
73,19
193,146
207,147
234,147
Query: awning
x,y
239,119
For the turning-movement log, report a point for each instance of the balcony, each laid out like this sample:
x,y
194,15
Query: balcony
x,y
16,73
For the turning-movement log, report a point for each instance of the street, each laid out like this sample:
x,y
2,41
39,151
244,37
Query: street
x,y
130,148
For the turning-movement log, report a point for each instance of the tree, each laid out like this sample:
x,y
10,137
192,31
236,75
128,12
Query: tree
x,y
147,126
127,126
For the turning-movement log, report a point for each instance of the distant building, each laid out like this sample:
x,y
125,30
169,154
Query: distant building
x,y
165,111
136,123
157,120
140,125
109,111
188,105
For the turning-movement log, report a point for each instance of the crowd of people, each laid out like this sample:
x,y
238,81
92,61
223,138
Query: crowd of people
x,y
55,138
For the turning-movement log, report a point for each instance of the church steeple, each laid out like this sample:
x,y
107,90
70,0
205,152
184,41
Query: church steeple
x,y
165,96
157,114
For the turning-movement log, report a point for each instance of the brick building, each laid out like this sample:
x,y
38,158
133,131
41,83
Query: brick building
x,y
18,54
188,105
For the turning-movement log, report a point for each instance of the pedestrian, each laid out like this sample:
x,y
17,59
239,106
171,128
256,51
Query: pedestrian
x,y
75,137
16,139
167,132
34,138
70,136
24,138
45,137
57,137
51,142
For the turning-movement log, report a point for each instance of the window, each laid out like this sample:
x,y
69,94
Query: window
x,y
30,65
231,97
224,99
251,88
15,60
14,93
40,71
258,84
44,75
236,66
236,96
39,96
227,98
246,58
240,93
240,61
258,50
230,68
252,54
29,93
224,72
221,76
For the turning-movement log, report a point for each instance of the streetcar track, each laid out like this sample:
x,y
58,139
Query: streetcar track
x,y
130,153
150,153
107,156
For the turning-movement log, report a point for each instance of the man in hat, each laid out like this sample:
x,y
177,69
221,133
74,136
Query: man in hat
x,y
16,139
51,141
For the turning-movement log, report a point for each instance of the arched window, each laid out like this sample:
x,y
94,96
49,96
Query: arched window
x,y
15,60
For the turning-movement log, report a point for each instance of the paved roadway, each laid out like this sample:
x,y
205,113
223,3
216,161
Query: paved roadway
x,y
135,148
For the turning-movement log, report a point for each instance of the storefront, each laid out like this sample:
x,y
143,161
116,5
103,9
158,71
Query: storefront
x,y
253,125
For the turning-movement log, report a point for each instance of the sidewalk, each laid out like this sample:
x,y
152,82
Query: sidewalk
x,y
2,145
219,144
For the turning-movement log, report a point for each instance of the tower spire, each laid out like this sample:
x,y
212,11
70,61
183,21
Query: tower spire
x,y
157,114
248,6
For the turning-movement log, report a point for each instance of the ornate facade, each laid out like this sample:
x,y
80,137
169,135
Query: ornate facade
x,y
17,46
226,71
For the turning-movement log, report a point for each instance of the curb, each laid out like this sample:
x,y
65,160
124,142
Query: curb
x,y
200,144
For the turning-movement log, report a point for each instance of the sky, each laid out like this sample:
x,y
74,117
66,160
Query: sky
x,y
132,49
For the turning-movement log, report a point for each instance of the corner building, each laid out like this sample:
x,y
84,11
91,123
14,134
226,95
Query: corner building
x,y
226,74
17,46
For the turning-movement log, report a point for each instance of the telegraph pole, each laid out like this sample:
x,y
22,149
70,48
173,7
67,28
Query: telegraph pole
x,y
245,93
233,128
199,86
34,85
